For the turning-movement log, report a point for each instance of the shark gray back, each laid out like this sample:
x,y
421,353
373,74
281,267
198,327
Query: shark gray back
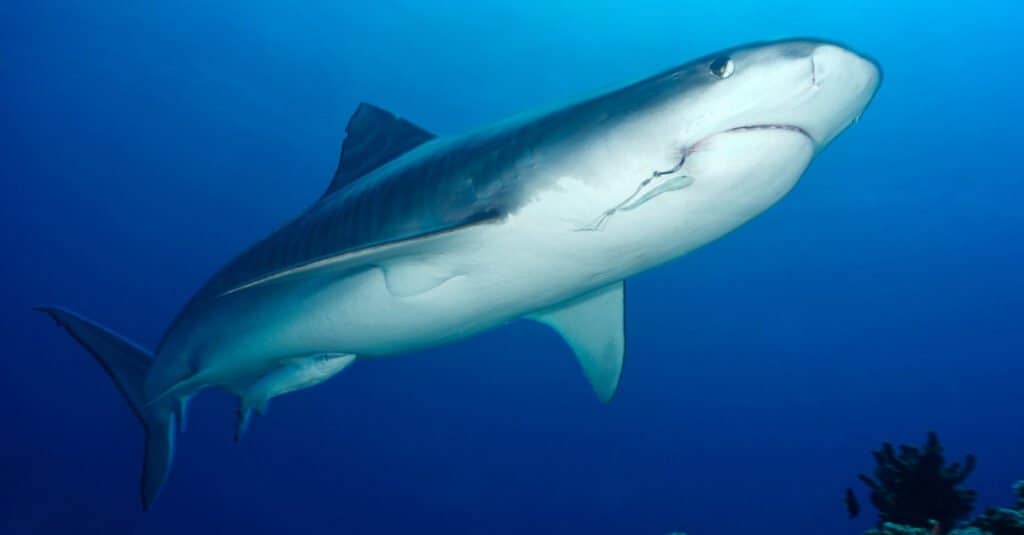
x,y
396,181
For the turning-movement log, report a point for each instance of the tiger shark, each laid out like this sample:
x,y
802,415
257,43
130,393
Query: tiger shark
x,y
422,240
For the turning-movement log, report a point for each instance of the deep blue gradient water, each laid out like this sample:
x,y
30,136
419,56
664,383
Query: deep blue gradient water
x,y
145,143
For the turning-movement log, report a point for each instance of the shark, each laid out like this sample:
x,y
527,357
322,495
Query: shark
x,y
421,240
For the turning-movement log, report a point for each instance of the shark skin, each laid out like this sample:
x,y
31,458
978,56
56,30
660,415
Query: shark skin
x,y
421,241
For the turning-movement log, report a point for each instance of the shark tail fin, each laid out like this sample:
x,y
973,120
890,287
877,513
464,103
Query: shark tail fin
x,y
127,365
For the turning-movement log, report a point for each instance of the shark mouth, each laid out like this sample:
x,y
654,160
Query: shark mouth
x,y
784,127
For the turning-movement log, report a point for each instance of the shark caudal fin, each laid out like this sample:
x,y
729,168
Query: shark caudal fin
x,y
127,364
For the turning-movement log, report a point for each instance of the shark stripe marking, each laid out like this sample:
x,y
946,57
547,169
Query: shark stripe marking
x,y
353,255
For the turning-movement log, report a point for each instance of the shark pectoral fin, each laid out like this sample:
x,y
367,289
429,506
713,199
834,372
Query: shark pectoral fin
x,y
594,328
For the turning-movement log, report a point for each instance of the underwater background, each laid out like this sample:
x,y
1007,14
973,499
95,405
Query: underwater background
x,y
143,144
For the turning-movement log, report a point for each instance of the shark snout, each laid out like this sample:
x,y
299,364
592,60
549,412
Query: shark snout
x,y
842,84
859,71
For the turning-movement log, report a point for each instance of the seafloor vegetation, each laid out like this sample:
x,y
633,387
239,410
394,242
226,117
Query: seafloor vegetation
x,y
917,493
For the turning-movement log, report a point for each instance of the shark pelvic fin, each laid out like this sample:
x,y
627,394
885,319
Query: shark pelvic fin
x,y
127,365
294,374
242,424
594,327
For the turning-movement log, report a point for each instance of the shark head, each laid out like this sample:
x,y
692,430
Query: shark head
x,y
809,88
753,118
735,129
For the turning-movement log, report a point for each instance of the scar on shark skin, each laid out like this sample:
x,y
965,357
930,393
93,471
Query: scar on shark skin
x,y
671,184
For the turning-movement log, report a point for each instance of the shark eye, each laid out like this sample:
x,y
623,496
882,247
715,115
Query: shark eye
x,y
722,67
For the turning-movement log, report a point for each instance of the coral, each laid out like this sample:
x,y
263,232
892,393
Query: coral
x,y
917,489
1004,521
889,528
995,521
896,529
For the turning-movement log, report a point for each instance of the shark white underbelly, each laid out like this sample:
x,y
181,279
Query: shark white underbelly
x,y
546,254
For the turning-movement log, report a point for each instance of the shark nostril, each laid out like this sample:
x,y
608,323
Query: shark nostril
x,y
828,61
816,77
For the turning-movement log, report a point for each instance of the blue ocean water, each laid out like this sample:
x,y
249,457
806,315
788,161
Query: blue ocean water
x,y
144,144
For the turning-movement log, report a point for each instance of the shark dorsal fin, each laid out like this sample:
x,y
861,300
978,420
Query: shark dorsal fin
x,y
374,138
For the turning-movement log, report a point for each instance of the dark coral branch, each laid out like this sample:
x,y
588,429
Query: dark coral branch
x,y
1003,521
917,488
